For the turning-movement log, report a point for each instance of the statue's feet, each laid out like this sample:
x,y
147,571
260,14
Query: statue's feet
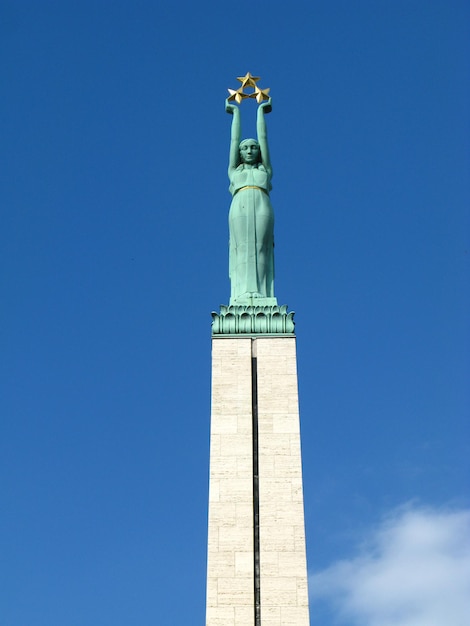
x,y
250,295
253,298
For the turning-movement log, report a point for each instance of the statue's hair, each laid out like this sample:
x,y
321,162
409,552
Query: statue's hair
x,y
243,141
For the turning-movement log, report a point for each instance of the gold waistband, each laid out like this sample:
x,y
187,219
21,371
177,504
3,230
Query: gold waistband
x,y
251,187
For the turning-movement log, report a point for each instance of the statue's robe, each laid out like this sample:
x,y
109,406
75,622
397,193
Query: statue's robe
x,y
251,223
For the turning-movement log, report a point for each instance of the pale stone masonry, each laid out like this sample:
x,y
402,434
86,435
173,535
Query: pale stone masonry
x,y
270,392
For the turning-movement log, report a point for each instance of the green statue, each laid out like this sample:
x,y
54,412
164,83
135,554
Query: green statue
x,y
251,218
253,308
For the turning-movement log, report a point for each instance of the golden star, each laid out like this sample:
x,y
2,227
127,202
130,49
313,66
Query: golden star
x,y
248,80
260,94
237,95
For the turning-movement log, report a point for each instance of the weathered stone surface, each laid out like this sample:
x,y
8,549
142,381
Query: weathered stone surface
x,y
230,546
283,570
282,535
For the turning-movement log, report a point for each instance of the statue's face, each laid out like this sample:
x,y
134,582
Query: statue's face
x,y
249,152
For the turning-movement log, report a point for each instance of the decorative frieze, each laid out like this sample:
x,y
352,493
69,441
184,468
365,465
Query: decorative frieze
x,y
253,320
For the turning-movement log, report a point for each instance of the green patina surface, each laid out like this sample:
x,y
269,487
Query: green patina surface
x,y
253,307
251,217
253,320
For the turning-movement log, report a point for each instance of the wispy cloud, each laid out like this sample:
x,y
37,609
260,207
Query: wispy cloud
x,y
413,570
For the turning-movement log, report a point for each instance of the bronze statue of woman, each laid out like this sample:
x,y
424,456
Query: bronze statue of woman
x,y
251,218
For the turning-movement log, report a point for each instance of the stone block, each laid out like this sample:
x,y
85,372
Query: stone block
x,y
220,616
244,564
235,591
294,616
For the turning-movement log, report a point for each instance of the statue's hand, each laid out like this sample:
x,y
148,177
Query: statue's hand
x,y
229,107
266,107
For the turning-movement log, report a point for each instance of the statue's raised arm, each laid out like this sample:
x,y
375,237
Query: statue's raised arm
x,y
234,157
263,109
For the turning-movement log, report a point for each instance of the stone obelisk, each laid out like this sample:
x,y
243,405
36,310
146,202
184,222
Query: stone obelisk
x,y
256,566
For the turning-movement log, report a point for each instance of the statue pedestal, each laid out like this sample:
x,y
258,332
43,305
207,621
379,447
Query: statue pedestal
x,y
239,319
256,566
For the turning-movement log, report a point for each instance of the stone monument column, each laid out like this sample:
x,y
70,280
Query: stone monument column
x,y
256,563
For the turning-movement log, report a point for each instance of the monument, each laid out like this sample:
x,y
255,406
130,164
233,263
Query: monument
x,y
256,561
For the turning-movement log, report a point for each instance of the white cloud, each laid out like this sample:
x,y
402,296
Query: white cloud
x,y
413,571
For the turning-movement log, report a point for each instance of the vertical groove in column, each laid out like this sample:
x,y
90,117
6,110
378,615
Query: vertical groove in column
x,y
256,546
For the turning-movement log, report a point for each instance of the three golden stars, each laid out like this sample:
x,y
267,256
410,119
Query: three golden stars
x,y
248,81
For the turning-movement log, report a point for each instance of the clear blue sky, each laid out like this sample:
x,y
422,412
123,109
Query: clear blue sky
x,y
114,202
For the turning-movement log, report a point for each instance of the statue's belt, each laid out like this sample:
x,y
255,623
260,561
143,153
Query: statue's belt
x,y
251,187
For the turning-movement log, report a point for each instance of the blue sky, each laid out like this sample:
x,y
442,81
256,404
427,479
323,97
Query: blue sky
x,y
114,202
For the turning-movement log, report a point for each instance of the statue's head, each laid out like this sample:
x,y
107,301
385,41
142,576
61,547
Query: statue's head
x,y
250,152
